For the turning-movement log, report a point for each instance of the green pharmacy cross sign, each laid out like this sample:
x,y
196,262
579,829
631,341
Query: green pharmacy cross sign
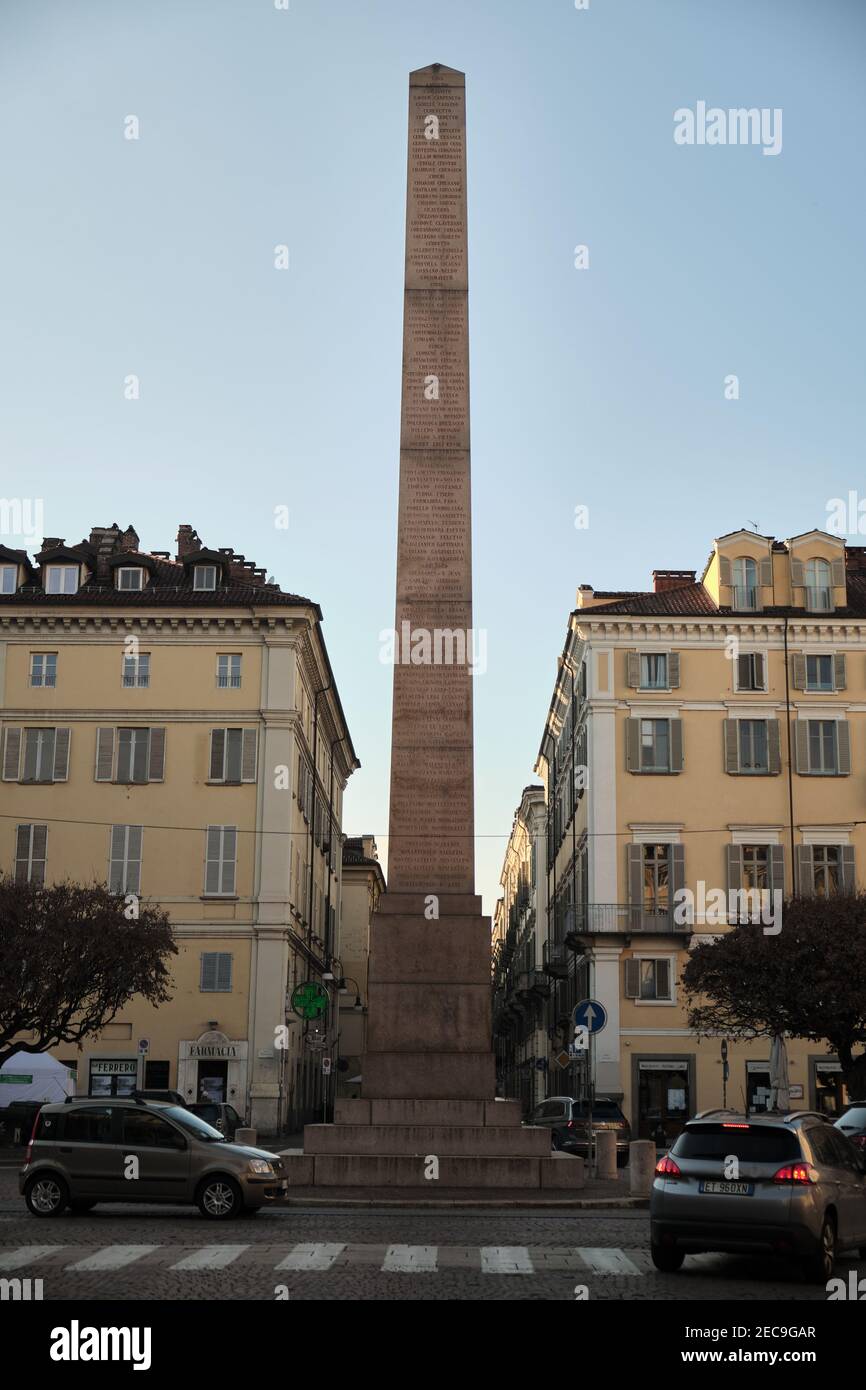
x,y
310,999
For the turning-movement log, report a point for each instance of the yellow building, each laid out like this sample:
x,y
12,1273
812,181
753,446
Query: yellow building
x,y
171,726
363,885
706,735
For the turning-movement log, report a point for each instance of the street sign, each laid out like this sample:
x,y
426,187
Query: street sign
x,y
563,1060
591,1015
310,999
541,1064
143,1045
326,1066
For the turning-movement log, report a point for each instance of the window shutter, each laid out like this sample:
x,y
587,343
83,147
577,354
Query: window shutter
x,y
765,573
678,868
632,745
61,755
843,746
801,744
674,670
230,837
634,874
676,726
156,758
743,671
104,755
837,573
839,681
798,671
248,756
760,670
217,754
663,979
724,570
212,859
31,745
133,859
849,882
208,980
633,669
732,745
734,866
798,578
22,853
805,871
224,971
11,755
40,841
632,974
776,868
774,746
116,857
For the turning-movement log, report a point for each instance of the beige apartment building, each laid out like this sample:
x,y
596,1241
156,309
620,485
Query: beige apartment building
x,y
709,734
171,726
363,885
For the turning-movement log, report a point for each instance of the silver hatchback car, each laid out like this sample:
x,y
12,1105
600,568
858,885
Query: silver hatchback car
x,y
783,1184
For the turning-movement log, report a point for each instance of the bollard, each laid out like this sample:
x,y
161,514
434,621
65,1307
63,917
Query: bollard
x,y
605,1150
246,1136
641,1166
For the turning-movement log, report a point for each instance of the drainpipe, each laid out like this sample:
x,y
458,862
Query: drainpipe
x,y
323,690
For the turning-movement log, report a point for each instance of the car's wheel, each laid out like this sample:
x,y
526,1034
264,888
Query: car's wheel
x,y
819,1266
219,1198
667,1258
46,1194
77,1207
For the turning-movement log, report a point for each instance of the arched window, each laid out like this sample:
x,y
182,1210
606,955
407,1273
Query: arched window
x,y
745,576
819,592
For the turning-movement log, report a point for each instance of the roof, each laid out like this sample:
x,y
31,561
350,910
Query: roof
x,y
689,599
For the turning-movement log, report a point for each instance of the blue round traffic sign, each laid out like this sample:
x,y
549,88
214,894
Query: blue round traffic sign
x,y
591,1015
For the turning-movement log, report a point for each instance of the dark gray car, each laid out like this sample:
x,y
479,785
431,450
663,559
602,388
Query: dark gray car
x,y
568,1122
120,1150
788,1185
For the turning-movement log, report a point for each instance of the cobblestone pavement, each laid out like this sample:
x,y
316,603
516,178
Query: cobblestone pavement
x,y
137,1252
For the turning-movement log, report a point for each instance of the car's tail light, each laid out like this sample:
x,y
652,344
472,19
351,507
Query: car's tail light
x,y
668,1168
800,1173
729,1125
570,1124
29,1152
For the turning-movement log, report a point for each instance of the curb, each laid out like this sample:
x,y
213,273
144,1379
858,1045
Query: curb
x,y
449,1203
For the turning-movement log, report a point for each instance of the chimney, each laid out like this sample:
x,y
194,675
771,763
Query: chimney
x,y
187,541
671,579
584,596
129,539
52,542
104,541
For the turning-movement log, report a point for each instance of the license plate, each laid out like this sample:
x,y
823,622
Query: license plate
x,y
728,1189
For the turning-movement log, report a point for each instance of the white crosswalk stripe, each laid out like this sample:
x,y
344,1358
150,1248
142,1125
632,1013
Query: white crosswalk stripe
x,y
27,1255
308,1256
113,1257
411,1259
505,1259
211,1257
607,1261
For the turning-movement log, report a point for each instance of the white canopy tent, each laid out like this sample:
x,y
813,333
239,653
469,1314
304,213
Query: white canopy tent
x,y
34,1076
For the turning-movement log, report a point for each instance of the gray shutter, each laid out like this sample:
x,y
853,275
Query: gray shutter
x,y
663,979
798,671
774,746
676,726
11,755
133,859
839,681
140,755
22,853
632,979
217,754
837,573
248,756
724,570
633,669
760,670
104,755
230,840
156,757
632,745
743,671
849,882
678,868
805,871
674,670
734,867
732,745
634,874
116,856
843,746
801,744
61,755
776,868
212,859
40,841
208,971
765,573
224,972
798,578
31,745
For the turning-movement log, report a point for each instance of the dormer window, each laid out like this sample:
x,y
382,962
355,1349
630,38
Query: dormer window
x,y
129,577
8,579
61,579
204,577
819,590
745,577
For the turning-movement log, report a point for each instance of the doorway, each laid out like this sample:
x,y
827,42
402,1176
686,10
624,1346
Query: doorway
x,y
212,1081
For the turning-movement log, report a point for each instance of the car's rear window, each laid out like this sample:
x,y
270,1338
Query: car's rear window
x,y
855,1117
757,1144
601,1110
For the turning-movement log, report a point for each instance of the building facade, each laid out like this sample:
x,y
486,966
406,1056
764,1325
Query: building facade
x,y
705,735
171,726
363,885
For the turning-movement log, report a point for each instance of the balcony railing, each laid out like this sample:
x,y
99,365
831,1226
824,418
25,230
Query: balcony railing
x,y
556,959
745,598
819,598
618,919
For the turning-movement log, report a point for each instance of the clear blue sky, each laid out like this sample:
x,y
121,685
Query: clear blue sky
x,y
601,387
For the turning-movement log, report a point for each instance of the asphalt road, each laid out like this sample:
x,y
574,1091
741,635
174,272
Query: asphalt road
x,y
140,1253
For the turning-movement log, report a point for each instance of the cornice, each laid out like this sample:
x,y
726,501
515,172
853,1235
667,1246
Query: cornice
x,y
614,628
109,624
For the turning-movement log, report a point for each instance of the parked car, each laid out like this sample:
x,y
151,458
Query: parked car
x,y
568,1121
853,1123
223,1117
17,1121
79,1156
797,1189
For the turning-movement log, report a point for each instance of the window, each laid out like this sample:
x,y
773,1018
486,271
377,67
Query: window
x,y
129,578
204,577
216,972
753,745
655,979
750,671
156,1075
654,671
819,673
656,879
822,746
819,592
89,1125
133,749
745,576
233,755
140,755
654,745
229,671
43,668
136,671
8,579
143,1129
46,755
826,869
30,844
756,867
124,867
220,860
62,579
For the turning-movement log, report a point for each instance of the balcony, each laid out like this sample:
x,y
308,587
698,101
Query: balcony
x,y
745,598
620,919
819,598
556,959
532,984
